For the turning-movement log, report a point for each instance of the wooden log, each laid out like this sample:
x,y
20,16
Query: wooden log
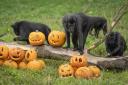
x,y
50,52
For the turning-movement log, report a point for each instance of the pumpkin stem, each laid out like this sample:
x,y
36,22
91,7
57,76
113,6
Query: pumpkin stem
x,y
37,30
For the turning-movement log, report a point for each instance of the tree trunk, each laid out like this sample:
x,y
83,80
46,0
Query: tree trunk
x,y
50,52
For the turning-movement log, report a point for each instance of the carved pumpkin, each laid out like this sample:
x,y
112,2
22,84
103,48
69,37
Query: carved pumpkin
x,y
66,70
22,65
36,38
95,70
56,38
10,63
83,72
78,61
30,55
1,62
36,65
16,54
4,51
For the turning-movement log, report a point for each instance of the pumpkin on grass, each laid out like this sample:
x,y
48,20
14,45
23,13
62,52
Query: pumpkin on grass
x,y
1,62
22,65
36,38
4,51
66,70
56,38
10,63
36,65
30,55
83,72
95,70
78,61
16,54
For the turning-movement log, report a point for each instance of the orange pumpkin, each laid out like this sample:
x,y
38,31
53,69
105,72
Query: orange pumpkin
x,y
95,70
22,65
30,55
16,54
36,65
4,51
1,62
36,38
78,61
10,63
83,72
66,70
56,38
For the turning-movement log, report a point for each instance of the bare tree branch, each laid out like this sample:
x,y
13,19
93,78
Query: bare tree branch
x,y
121,12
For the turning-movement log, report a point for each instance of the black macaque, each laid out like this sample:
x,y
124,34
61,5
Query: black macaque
x,y
115,44
97,24
79,25
23,28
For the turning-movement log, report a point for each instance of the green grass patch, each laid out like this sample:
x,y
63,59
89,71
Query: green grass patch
x,y
50,12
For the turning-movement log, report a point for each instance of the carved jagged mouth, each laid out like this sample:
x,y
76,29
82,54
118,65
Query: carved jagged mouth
x,y
54,42
0,54
15,56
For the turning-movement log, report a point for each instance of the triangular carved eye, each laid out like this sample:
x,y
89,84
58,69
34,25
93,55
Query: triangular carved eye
x,y
2,49
80,60
28,55
62,70
58,37
76,59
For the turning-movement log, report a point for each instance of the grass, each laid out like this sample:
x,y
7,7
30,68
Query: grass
x,y
49,76
50,12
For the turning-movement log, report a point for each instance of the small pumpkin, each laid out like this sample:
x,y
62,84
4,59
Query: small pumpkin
x,y
83,72
4,51
66,70
10,63
56,38
36,65
30,55
1,62
78,61
16,54
96,71
22,65
36,38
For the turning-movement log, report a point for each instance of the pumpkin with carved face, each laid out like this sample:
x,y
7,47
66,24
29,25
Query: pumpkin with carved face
x,y
78,61
95,70
56,38
66,70
83,72
36,38
4,51
30,55
10,63
16,54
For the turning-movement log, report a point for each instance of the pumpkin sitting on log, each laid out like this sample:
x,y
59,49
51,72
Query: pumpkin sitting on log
x,y
56,38
36,38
